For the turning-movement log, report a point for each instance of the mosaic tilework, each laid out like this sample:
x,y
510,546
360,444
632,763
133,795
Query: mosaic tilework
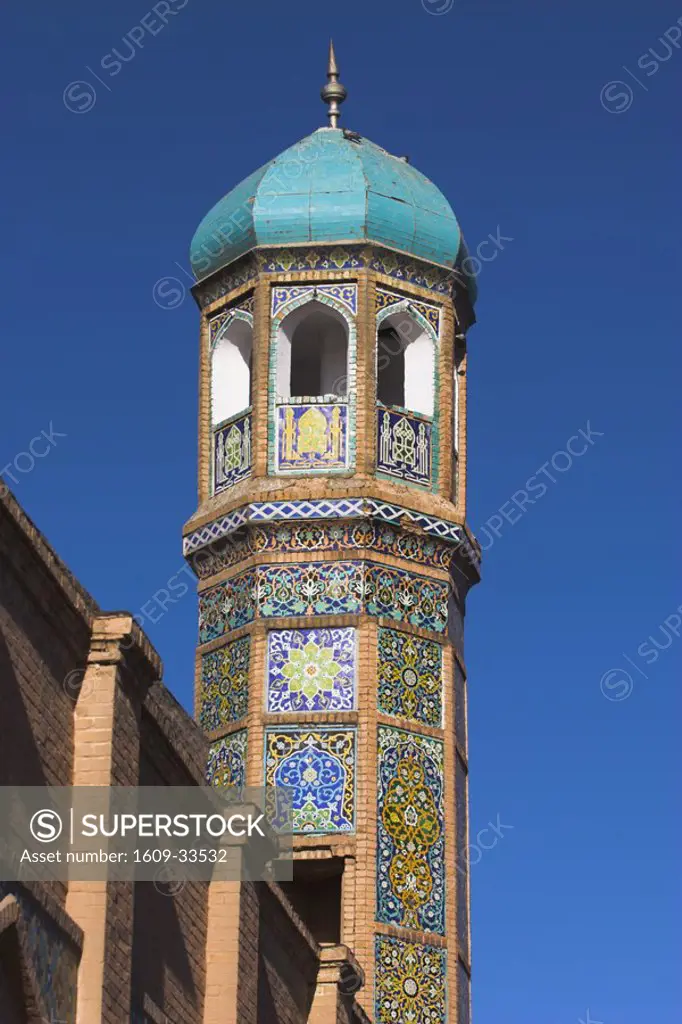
x,y
406,597
232,452
410,677
319,765
316,535
462,860
318,588
286,260
225,684
410,836
345,293
410,983
226,280
404,446
228,606
311,670
227,761
322,588
312,437
403,268
431,314
324,508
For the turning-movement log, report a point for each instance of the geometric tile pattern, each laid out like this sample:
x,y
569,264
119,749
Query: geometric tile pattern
x,y
410,834
346,294
319,766
232,452
227,761
431,314
410,677
410,983
311,670
225,684
325,508
319,535
404,446
323,588
312,437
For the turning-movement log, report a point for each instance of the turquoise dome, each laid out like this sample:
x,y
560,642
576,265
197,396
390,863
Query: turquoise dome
x,y
332,186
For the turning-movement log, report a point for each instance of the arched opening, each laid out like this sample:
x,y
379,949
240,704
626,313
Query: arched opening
x,y
312,354
231,371
405,364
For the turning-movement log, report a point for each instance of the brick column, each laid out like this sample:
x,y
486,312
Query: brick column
x,y
232,936
120,666
339,975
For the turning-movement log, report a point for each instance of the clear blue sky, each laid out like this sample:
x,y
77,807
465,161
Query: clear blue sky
x,y
499,103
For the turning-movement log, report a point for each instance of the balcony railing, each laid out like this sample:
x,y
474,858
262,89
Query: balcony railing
x,y
311,434
232,451
404,443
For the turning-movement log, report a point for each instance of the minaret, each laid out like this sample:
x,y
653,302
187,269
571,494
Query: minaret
x,y
331,547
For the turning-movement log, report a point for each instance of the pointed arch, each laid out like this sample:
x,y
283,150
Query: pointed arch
x,y
406,359
231,366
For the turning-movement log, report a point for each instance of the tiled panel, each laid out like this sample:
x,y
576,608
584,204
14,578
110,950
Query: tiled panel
x,y
228,606
311,670
404,446
225,684
232,452
410,983
410,837
410,677
406,597
319,766
312,437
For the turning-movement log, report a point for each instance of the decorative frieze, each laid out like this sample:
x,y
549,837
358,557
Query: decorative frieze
x,y
323,588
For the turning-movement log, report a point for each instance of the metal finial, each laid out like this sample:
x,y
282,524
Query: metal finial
x,y
333,93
